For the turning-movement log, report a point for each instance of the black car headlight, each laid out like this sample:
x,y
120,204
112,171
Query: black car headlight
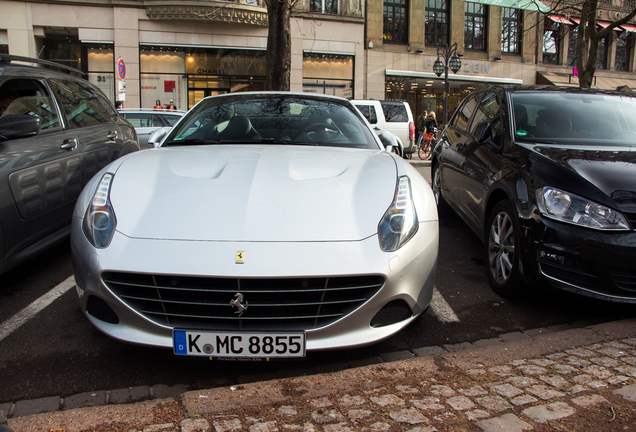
x,y
570,208
399,223
99,220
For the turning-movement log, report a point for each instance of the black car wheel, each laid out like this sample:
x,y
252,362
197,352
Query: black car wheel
x,y
502,251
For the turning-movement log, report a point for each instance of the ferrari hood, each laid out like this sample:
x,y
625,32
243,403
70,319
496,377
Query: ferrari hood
x,y
253,193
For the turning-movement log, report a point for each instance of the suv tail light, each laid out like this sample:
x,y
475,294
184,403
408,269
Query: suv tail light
x,y
412,131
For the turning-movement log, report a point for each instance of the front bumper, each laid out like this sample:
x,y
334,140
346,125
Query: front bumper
x,y
593,263
408,277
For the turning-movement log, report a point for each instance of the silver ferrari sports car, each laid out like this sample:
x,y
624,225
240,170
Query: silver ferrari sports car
x,y
264,226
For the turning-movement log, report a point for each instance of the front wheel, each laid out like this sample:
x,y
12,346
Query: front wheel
x,y
425,150
502,251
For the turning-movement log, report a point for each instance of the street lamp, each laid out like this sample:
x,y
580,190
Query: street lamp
x,y
452,61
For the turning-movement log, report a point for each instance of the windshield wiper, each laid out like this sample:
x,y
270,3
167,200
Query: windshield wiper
x,y
264,141
189,142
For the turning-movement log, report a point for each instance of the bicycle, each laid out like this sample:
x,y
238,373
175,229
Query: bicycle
x,y
425,145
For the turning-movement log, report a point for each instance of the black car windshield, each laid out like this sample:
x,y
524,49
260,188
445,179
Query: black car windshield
x,y
291,119
574,118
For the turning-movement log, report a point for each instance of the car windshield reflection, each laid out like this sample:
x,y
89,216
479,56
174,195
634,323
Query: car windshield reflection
x,y
569,118
264,119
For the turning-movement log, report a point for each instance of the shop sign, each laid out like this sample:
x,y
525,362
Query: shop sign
x,y
467,66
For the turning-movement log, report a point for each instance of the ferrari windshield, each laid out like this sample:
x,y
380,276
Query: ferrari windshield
x,y
292,119
574,118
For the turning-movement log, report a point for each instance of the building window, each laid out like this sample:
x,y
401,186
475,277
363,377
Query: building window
x,y
601,61
511,30
574,32
324,6
551,41
330,74
396,22
436,22
623,48
475,26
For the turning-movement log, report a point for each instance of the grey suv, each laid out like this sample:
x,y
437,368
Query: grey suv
x,y
56,131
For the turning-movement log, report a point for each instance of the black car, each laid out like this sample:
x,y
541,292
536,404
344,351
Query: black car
x,y
546,177
56,131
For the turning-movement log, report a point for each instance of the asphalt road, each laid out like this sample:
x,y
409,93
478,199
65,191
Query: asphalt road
x,y
58,353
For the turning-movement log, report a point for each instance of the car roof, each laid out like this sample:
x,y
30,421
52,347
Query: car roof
x,y
9,67
554,89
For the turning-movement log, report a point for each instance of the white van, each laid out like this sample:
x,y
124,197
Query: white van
x,y
394,116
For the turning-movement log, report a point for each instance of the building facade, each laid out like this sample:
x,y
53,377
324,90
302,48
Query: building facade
x,y
148,52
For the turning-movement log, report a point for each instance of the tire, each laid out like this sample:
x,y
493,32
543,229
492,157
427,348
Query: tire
x,y
425,150
396,150
436,186
502,251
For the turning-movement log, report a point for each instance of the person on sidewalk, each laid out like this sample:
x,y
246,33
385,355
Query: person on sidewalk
x,y
431,122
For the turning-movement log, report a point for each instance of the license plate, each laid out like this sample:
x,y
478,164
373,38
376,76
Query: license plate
x,y
238,345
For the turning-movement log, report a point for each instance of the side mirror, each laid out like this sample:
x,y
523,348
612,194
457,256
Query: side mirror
x,y
483,131
388,140
158,135
19,126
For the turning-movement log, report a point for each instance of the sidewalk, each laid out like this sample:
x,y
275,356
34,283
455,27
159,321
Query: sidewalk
x,y
578,379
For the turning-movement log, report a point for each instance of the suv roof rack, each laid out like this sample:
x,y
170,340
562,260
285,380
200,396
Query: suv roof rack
x,y
7,59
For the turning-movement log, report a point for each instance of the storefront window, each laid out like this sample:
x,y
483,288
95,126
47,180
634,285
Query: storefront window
x,y
396,21
511,30
436,22
65,50
601,61
187,75
101,68
623,48
475,26
574,31
328,74
551,41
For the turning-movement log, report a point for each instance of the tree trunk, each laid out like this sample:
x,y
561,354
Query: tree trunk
x,y
278,45
587,44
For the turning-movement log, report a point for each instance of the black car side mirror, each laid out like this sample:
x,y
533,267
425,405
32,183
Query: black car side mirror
x,y
483,131
19,126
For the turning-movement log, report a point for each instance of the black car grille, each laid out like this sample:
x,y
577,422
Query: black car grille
x,y
571,276
272,304
623,278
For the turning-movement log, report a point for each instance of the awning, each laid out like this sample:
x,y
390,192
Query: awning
x,y
602,24
560,19
629,28
567,80
531,5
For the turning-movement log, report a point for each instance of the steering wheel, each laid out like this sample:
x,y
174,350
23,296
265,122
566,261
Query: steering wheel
x,y
321,132
630,133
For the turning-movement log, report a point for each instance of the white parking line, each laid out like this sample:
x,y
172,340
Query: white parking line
x,y
441,309
14,323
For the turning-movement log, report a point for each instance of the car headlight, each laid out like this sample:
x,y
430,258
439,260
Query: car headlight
x,y
99,220
567,207
399,223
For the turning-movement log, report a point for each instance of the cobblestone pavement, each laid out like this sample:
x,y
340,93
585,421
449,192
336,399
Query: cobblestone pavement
x,y
579,379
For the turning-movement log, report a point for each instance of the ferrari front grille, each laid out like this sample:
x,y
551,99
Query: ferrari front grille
x,y
242,304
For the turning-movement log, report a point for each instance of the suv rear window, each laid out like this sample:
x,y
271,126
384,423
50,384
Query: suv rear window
x,y
395,112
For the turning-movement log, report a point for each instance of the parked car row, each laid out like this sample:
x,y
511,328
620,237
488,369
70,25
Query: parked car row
x,y
267,225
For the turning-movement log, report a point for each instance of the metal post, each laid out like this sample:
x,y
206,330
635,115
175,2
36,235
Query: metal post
x,y
452,61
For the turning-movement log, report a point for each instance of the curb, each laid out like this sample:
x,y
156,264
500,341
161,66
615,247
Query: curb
x,y
425,364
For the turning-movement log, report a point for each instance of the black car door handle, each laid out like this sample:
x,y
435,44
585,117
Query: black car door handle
x,y
69,144
112,135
